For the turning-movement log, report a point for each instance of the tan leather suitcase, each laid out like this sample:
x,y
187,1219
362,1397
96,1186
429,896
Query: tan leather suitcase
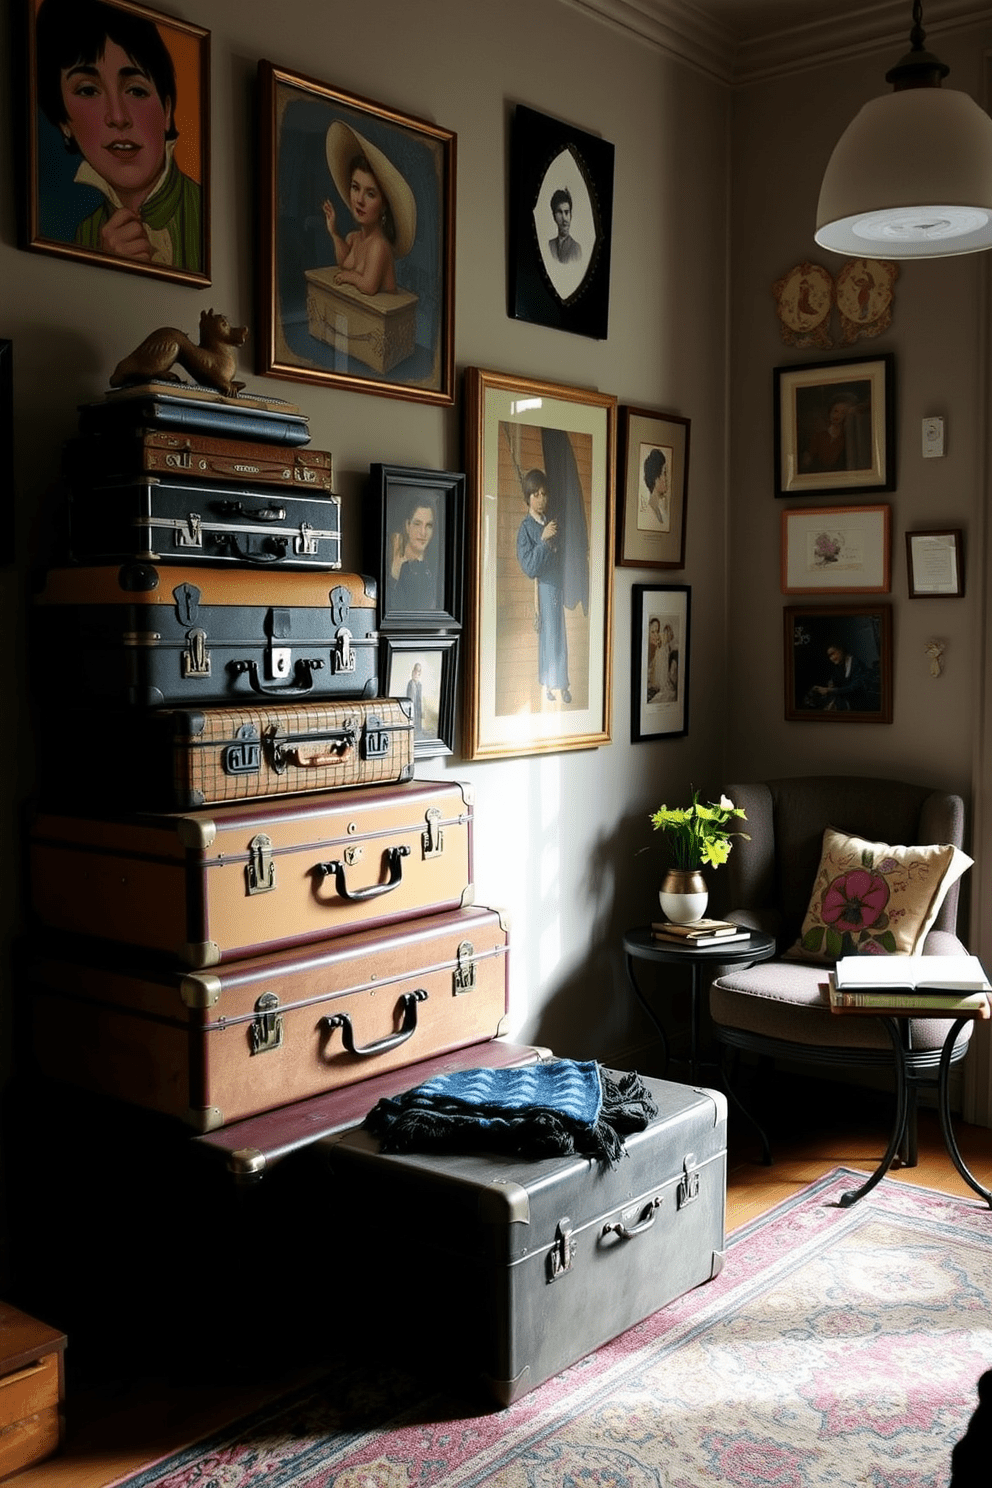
x,y
211,886
212,1047
178,759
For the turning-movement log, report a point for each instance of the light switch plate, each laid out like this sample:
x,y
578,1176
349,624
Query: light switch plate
x,y
933,438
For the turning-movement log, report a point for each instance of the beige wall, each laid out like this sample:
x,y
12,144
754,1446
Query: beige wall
x,y
556,837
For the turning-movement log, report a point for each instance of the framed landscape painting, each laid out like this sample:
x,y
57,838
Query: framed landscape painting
x,y
539,566
356,280
133,192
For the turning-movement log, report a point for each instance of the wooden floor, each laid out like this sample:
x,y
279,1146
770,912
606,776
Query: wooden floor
x,y
111,1434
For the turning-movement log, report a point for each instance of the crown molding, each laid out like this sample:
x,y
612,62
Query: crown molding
x,y
699,39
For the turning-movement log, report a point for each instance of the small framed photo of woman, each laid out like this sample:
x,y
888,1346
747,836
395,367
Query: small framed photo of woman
x,y
414,546
357,242
424,670
659,653
118,104
653,482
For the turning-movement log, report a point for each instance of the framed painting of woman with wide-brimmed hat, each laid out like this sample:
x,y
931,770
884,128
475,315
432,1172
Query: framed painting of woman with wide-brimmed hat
x,y
357,252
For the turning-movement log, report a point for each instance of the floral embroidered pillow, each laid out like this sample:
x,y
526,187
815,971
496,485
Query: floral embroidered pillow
x,y
870,899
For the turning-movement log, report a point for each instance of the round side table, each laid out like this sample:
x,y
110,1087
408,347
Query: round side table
x,y
639,945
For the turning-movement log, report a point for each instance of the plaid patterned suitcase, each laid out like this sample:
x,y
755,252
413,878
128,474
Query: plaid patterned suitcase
x,y
152,636
178,759
215,1047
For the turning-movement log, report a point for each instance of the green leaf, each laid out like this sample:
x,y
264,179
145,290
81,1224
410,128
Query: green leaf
x,y
813,939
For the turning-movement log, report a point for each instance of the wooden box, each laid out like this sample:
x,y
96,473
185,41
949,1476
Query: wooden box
x,y
32,1390
377,330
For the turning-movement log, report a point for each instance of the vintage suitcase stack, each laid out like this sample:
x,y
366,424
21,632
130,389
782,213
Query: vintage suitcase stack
x,y
265,905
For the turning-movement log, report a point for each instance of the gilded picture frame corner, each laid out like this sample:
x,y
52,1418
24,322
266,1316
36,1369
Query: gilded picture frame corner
x,y
538,653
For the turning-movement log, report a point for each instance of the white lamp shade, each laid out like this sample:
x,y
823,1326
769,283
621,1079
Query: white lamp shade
x,y
910,177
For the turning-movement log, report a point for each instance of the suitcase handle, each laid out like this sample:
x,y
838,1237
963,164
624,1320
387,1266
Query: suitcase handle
x,y
408,1002
268,513
647,1220
305,669
277,546
394,859
334,746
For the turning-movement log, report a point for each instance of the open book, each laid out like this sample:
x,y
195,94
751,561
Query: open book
x,y
952,975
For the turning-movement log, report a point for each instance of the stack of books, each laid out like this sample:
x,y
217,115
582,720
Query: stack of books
x,y
698,933
936,984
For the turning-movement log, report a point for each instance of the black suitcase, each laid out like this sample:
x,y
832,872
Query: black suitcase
x,y
149,636
168,518
522,1267
128,410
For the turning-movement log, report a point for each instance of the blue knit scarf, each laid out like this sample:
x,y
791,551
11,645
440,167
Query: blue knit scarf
x,y
541,1110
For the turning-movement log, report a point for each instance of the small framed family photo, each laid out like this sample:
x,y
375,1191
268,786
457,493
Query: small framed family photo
x,y
131,191
561,225
424,669
357,273
653,488
838,664
836,550
935,564
539,566
414,544
659,654
835,427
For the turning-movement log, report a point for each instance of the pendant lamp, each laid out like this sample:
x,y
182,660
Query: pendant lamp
x,y
911,176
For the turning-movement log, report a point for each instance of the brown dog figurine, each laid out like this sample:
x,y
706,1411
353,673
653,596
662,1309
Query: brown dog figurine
x,y
214,362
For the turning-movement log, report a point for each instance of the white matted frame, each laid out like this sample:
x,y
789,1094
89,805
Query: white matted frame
x,y
538,654
659,655
934,564
652,489
835,427
836,550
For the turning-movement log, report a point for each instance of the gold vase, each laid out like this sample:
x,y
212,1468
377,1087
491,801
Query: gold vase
x,y
683,895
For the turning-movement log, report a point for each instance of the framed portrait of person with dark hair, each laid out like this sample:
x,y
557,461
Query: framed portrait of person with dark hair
x,y
118,113
838,663
561,225
835,427
414,525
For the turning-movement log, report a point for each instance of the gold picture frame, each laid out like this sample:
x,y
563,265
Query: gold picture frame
x,y
835,427
391,331
539,632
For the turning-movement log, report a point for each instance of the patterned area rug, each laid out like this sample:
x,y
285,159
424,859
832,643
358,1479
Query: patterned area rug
x,y
838,1347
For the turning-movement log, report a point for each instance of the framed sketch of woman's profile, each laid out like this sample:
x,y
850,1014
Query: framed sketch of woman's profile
x,y
124,188
357,242
414,526
653,488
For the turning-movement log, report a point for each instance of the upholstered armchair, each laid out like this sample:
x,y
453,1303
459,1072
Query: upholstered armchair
x,y
777,1009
